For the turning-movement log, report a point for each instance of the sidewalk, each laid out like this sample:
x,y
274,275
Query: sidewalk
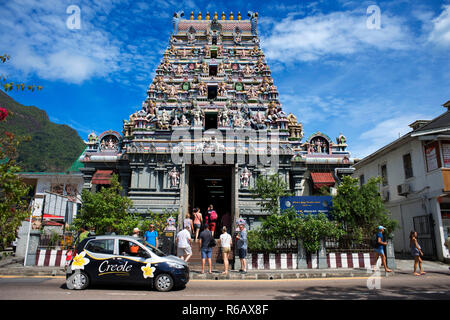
x,y
12,266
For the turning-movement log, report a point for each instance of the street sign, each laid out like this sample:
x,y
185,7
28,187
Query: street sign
x,y
307,204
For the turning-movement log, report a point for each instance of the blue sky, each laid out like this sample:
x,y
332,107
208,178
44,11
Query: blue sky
x,y
332,71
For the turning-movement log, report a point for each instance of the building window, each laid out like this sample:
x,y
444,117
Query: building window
x,y
361,180
432,156
384,175
407,166
212,92
213,70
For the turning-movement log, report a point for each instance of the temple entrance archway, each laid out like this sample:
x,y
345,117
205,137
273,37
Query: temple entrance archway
x,y
211,184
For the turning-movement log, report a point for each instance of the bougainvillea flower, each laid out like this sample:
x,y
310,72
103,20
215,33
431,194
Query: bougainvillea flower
x,y
3,114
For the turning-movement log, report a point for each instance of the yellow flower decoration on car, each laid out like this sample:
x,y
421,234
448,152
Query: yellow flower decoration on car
x,y
79,261
148,271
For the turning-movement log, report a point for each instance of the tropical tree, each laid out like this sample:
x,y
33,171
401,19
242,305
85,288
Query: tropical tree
x,y
268,189
13,192
360,208
106,209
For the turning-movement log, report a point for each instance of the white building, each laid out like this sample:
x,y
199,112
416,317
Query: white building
x,y
416,183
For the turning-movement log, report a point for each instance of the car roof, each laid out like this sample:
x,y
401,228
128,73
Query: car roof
x,y
114,237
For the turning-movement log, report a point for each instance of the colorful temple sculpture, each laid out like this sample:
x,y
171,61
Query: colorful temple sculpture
x,y
211,124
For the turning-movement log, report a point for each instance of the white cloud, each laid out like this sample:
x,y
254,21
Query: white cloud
x,y
39,42
440,32
384,133
337,33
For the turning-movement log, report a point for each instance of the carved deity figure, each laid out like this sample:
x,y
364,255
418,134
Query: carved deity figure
x,y
171,91
207,51
202,89
163,120
222,89
184,121
221,68
205,67
174,176
198,116
224,117
247,71
245,177
252,92
179,70
237,36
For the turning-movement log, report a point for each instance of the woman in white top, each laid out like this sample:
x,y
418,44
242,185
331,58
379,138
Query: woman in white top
x,y
225,244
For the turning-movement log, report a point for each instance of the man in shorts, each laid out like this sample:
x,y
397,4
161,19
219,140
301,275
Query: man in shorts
x,y
241,245
379,249
184,243
205,238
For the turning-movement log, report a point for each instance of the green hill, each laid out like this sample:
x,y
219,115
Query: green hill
x,y
52,148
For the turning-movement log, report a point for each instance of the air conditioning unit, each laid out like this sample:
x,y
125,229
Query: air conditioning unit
x,y
385,195
403,189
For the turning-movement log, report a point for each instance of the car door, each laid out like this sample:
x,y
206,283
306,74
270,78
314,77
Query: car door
x,y
100,256
133,257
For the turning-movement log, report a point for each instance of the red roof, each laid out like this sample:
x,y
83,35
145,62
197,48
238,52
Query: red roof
x,y
102,177
321,179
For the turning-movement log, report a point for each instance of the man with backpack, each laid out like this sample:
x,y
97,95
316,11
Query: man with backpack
x,y
212,215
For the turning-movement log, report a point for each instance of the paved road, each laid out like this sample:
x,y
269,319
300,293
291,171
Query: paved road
x,y
433,285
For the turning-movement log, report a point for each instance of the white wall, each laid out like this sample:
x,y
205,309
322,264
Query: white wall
x,y
425,188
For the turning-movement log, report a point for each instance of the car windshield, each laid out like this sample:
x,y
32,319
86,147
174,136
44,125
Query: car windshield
x,y
152,248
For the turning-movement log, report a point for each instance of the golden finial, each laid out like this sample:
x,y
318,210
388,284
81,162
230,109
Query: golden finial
x,y
207,15
199,15
192,15
231,15
223,15
239,15
215,15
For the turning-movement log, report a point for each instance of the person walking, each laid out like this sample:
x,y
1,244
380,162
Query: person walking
x,y
379,249
241,245
188,222
416,252
225,245
198,220
206,250
212,219
184,243
151,236
136,232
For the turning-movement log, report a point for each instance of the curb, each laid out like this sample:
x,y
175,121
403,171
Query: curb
x,y
233,275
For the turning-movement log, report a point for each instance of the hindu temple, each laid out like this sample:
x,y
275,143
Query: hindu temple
x,y
210,125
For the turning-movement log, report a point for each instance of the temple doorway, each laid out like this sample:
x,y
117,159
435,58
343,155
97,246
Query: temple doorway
x,y
211,184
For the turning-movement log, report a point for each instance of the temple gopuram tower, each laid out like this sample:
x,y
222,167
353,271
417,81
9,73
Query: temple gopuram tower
x,y
211,124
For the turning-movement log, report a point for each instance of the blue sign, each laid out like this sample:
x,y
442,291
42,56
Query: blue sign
x,y
307,204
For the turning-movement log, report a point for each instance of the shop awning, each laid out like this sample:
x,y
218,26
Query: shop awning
x,y
321,179
102,177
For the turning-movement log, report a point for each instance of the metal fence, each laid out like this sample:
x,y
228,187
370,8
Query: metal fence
x,y
347,244
56,241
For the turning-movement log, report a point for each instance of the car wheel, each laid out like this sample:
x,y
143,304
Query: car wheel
x,y
77,281
163,282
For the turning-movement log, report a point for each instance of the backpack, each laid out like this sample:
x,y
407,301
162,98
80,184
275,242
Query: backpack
x,y
213,215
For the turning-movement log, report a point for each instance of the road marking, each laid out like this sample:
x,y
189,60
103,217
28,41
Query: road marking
x,y
295,279
17,276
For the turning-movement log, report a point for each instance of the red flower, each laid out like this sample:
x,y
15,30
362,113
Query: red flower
x,y
9,134
3,114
